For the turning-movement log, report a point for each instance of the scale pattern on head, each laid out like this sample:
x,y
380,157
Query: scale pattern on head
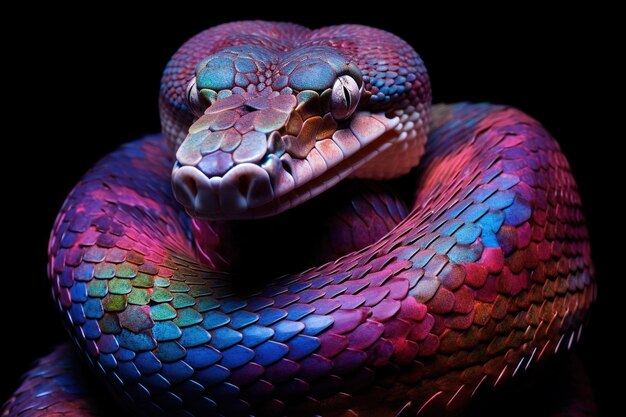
x,y
264,116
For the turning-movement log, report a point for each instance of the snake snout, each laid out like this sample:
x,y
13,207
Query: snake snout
x,y
228,163
251,156
244,187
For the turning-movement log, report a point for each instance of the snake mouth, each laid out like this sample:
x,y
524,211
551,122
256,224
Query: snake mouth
x,y
270,169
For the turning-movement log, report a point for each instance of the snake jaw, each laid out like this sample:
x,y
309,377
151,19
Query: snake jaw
x,y
242,160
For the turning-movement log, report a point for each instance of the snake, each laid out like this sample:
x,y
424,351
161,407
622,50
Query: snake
x,y
443,248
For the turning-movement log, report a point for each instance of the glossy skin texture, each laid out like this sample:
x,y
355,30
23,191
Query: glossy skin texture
x,y
489,272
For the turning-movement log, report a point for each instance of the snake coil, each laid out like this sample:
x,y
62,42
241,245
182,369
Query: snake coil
x,y
411,309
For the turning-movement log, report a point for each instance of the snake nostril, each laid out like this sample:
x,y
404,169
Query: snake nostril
x,y
287,167
243,184
190,184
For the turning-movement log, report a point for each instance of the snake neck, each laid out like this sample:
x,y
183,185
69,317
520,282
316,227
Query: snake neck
x,y
342,221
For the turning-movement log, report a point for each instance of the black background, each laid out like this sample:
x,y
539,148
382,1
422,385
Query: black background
x,y
83,85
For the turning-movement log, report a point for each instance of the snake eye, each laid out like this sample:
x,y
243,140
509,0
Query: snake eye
x,y
195,102
344,97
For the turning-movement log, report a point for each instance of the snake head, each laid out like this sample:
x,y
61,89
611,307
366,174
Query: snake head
x,y
274,126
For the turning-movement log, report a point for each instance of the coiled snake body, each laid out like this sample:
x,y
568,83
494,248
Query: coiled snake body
x,y
411,309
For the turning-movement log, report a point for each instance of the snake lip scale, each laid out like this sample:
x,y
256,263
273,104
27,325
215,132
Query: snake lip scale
x,y
291,198
280,136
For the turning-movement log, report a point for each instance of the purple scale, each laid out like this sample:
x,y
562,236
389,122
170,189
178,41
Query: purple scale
x,y
231,102
254,335
355,286
79,292
315,324
125,354
225,337
66,279
269,120
284,300
107,343
326,306
314,367
146,267
106,240
348,360
242,319
282,371
155,382
108,361
77,314
311,295
385,310
198,357
377,279
298,311
332,344
69,239
216,163
251,149
356,273
247,374
350,301
346,320
116,255
323,281
128,372
270,316
258,103
300,286
73,257
233,304
283,102
286,329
